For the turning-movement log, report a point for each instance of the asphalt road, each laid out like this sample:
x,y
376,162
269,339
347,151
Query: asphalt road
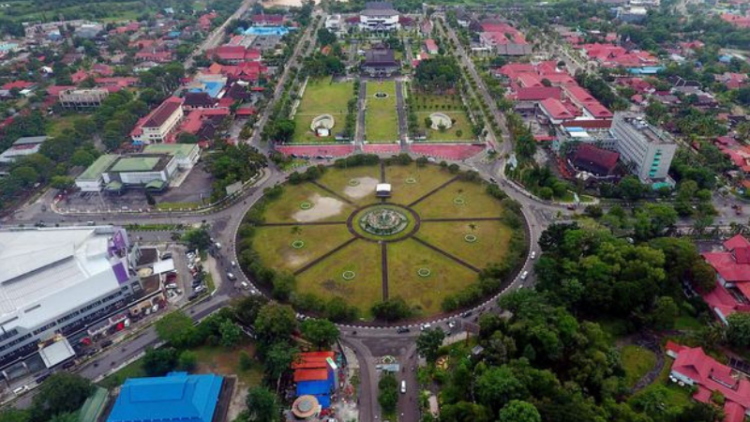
x,y
215,37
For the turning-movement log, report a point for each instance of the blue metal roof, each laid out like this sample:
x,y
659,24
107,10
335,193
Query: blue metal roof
x,y
178,396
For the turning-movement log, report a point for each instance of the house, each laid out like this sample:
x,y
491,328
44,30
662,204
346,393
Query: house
x,y
193,100
380,62
694,368
732,80
176,396
732,266
504,39
157,125
592,159
736,20
19,85
234,54
590,106
153,55
205,21
314,375
430,46
22,147
426,28
263,19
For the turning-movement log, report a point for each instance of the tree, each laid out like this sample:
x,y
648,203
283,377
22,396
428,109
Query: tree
x,y
62,392
391,309
631,188
326,37
388,394
81,158
61,182
738,329
519,411
11,414
231,334
703,276
177,329
187,138
27,175
498,386
198,238
262,405
65,417
320,332
158,362
275,323
247,308
665,313
187,360
277,361
429,342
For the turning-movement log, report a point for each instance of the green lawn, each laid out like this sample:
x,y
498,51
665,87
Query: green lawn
x,y
459,132
24,11
427,178
56,126
364,177
381,116
274,244
287,208
222,361
424,293
321,96
490,247
677,397
460,199
636,361
325,279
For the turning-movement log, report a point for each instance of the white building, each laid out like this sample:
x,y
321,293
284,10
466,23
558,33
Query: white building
x,y
158,124
335,24
649,149
82,98
379,17
54,281
22,147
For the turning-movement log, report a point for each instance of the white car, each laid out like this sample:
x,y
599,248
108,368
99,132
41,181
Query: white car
x,y
451,324
171,286
426,326
200,288
524,275
533,254
20,390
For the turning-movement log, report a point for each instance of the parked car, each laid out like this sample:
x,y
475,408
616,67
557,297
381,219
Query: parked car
x,y
20,390
403,330
166,255
171,286
106,343
425,326
200,288
524,275
533,254
231,276
451,324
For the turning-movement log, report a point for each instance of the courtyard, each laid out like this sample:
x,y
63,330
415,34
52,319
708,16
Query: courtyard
x,y
381,115
450,105
322,96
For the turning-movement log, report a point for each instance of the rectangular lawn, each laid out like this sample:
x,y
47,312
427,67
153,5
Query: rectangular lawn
x,y
450,104
274,244
426,293
325,279
381,116
322,96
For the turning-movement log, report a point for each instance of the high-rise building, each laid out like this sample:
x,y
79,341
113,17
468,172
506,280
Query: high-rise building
x,y
648,149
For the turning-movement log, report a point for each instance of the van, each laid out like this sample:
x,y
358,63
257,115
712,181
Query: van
x,y
403,386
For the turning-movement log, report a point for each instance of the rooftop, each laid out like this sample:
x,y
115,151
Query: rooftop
x,y
177,396
178,150
141,162
95,170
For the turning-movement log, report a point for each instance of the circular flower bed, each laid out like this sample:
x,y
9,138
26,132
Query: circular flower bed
x,y
353,182
424,272
306,205
348,275
298,244
470,238
410,181
459,201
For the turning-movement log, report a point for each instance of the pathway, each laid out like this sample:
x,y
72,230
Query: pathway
x,y
359,133
403,130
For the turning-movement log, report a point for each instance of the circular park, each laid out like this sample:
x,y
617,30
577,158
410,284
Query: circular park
x,y
437,241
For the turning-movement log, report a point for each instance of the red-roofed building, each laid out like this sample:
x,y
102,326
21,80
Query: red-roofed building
x,y
555,111
537,93
732,80
512,70
205,20
732,265
153,55
79,76
736,20
157,125
591,107
268,20
54,90
102,69
245,71
594,160
609,55
234,54
503,39
692,366
20,85
528,80
118,81
430,46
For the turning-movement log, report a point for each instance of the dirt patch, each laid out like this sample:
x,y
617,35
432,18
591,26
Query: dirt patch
x,y
365,187
294,260
237,402
323,207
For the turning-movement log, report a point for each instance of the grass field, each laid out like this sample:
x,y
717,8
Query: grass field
x,y
381,116
325,279
338,180
451,105
277,250
491,245
321,96
222,361
636,361
25,11
132,370
476,203
427,178
425,293
56,126
286,208
677,397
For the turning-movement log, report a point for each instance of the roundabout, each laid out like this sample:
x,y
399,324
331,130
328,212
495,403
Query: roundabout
x,y
424,244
